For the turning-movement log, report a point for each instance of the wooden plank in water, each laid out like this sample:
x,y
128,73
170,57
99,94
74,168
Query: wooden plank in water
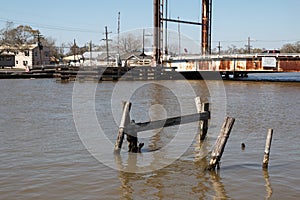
x,y
145,126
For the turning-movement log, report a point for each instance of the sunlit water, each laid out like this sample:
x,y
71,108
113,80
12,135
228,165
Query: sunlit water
x,y
42,156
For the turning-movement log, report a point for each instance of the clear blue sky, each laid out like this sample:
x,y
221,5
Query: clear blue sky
x,y
269,23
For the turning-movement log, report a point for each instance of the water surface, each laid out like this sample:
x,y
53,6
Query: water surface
x,y
42,156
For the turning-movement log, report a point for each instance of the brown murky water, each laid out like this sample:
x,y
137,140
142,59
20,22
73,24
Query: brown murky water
x,y
43,157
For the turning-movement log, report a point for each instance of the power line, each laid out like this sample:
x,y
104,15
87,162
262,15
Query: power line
x,y
51,27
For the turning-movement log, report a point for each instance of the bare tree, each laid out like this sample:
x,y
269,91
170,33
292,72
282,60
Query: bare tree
x,y
291,48
130,43
232,49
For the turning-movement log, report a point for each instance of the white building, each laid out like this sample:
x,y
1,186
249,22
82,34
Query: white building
x,y
28,56
99,58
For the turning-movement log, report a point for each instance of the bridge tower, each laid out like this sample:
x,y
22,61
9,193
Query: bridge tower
x,y
158,19
206,27
157,25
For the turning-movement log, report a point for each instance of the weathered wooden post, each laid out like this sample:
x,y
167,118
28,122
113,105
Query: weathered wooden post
x,y
202,106
220,143
267,149
125,120
132,140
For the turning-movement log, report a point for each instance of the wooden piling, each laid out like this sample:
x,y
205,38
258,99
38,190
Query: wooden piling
x,y
132,140
267,149
125,120
220,143
202,106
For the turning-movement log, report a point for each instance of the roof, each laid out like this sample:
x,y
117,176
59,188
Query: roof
x,y
93,54
73,57
25,46
100,55
135,55
7,53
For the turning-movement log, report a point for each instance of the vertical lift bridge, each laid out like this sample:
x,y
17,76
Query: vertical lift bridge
x,y
158,20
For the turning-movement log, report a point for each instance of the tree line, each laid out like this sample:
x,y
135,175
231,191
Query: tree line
x,y
232,49
21,36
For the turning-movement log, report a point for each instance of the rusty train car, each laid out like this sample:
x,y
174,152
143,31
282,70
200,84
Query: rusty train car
x,y
238,65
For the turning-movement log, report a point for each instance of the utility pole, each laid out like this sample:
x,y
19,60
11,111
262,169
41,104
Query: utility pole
x,y
219,48
40,45
119,22
107,40
249,45
143,53
179,39
91,49
75,50
119,62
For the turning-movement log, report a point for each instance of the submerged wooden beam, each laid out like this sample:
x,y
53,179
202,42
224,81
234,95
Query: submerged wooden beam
x,y
267,149
220,143
145,126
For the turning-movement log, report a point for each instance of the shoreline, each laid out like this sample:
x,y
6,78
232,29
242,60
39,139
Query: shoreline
x,y
289,77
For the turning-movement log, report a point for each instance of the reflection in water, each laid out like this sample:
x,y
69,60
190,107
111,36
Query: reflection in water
x,y
201,188
218,186
130,181
209,182
201,148
126,186
126,181
155,181
268,184
201,152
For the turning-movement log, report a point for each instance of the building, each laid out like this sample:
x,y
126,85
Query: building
x,y
99,58
136,59
24,57
73,60
7,59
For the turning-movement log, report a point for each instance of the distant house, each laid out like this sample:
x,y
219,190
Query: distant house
x,y
7,59
24,57
74,60
93,58
136,59
99,58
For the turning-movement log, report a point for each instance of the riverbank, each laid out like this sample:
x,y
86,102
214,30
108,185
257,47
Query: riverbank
x,y
115,74
272,77
8,73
